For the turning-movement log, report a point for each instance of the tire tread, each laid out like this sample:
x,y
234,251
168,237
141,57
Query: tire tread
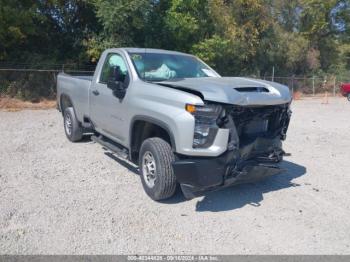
x,y
77,132
166,155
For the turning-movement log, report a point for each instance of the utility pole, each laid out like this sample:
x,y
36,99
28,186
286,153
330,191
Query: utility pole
x,y
273,74
313,85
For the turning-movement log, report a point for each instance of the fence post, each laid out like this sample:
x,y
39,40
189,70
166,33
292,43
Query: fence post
x,y
313,85
334,84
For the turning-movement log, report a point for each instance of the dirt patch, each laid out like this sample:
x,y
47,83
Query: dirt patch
x,y
14,104
297,95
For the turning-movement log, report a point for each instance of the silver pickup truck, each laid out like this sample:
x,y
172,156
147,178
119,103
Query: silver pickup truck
x,y
178,119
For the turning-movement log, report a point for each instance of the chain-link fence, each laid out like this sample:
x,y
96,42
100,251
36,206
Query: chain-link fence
x,y
35,84
310,85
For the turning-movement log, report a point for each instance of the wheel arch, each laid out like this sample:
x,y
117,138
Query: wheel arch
x,y
143,127
65,101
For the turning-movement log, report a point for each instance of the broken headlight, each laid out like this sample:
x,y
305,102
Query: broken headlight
x,y
205,128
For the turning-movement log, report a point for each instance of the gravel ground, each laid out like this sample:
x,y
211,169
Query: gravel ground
x,y
62,198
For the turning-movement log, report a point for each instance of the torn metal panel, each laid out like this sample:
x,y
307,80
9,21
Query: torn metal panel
x,y
254,150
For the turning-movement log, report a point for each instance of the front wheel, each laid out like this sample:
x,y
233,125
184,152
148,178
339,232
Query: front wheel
x,y
156,171
349,97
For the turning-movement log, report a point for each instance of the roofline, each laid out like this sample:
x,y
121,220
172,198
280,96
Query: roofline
x,y
146,50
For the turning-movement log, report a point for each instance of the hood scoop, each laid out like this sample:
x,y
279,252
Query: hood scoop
x,y
251,89
232,90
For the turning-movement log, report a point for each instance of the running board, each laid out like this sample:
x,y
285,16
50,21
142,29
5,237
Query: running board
x,y
112,146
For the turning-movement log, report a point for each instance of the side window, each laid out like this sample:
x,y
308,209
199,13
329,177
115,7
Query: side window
x,y
112,60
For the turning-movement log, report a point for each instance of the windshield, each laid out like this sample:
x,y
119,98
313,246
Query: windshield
x,y
160,67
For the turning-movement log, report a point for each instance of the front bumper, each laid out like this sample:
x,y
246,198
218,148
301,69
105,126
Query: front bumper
x,y
253,150
199,175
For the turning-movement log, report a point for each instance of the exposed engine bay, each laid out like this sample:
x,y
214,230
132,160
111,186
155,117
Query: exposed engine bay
x,y
254,149
248,123
256,133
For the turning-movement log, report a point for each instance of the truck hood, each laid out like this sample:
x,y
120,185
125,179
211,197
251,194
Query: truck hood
x,y
233,90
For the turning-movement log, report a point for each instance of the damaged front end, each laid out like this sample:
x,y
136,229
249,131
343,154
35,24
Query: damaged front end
x,y
253,151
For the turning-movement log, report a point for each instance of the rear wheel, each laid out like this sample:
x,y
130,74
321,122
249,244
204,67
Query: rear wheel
x,y
156,171
72,128
349,96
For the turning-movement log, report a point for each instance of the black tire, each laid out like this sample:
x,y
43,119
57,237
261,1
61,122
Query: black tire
x,y
165,181
74,131
349,97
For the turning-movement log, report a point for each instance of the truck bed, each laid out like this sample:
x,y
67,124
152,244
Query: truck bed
x,y
88,78
77,87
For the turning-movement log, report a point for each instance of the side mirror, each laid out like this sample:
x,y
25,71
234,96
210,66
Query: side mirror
x,y
116,74
118,82
118,88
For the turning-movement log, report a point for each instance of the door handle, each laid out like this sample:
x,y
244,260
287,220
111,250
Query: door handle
x,y
95,92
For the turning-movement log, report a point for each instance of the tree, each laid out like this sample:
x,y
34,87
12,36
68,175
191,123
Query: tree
x,y
236,37
16,25
123,24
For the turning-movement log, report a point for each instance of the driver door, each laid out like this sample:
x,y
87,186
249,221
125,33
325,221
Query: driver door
x,y
108,111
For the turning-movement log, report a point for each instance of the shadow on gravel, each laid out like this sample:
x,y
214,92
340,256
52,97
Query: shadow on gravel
x,y
85,139
177,198
250,194
234,197
123,163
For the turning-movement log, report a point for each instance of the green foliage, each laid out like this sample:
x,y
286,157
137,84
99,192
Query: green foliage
x,y
185,23
122,21
217,52
240,37
16,25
